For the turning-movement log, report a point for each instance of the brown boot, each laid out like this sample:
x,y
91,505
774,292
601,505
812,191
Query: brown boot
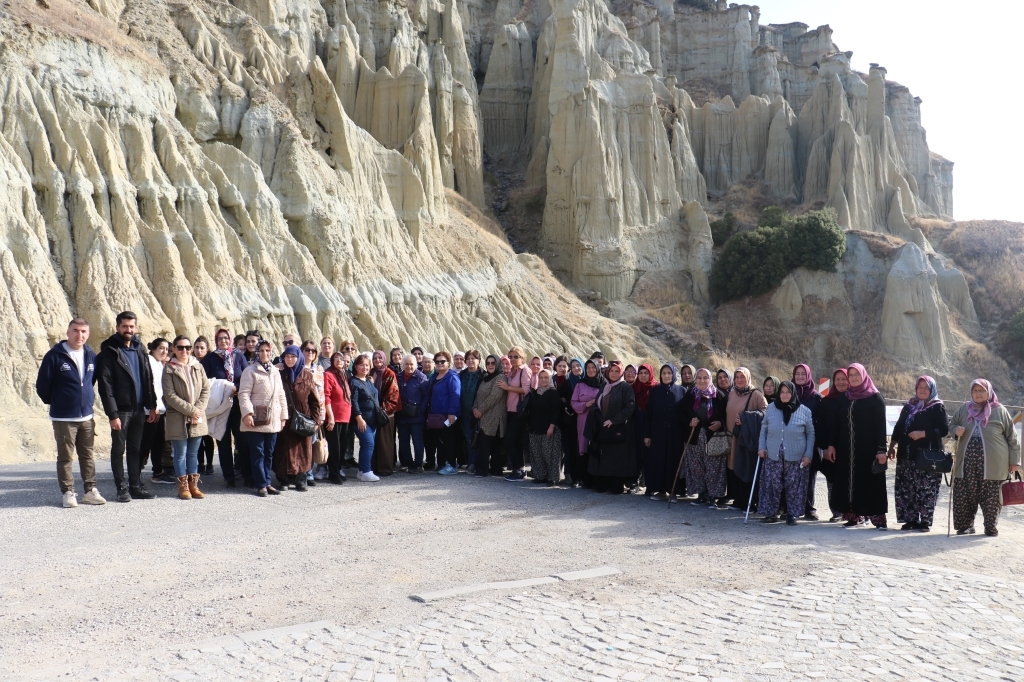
x,y
193,487
183,493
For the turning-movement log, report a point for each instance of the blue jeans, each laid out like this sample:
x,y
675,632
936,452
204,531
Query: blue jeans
x,y
366,439
261,454
186,455
407,432
469,427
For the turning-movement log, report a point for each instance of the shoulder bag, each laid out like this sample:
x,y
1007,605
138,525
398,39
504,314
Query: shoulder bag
x,y
261,413
523,406
299,424
720,443
320,452
934,461
614,434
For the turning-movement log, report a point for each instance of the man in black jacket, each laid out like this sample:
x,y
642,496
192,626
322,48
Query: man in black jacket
x,y
126,391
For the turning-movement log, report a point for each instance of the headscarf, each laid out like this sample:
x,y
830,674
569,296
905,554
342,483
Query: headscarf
x,y
378,374
611,384
457,354
707,394
341,374
293,372
714,379
693,376
596,381
397,369
776,382
833,393
635,369
980,415
806,389
675,375
750,387
787,409
916,405
573,379
866,389
643,391
491,376
541,390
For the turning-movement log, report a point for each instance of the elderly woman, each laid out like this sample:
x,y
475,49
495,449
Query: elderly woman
x,y
293,454
987,452
386,383
740,462
470,378
584,398
536,365
857,447
807,392
686,377
545,437
785,446
723,380
769,387
833,407
615,463
641,385
663,434
310,357
186,393
703,416
489,411
412,391
516,383
922,426
264,408
629,374
445,408
338,411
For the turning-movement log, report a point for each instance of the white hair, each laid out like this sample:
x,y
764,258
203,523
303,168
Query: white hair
x,y
410,356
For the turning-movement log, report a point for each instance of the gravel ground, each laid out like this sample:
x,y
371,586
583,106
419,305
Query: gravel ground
x,y
86,587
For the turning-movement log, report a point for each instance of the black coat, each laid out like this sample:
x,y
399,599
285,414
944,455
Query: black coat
x,y
616,460
717,414
115,381
932,420
545,409
664,426
826,422
858,437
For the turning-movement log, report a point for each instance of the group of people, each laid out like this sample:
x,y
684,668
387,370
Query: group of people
x,y
287,417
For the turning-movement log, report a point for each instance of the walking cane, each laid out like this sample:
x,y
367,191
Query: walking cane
x,y
753,487
952,482
672,492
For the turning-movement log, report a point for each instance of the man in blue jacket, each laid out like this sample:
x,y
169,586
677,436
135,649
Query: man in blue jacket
x,y
64,382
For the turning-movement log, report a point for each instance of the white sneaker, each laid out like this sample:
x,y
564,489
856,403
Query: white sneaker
x,y
321,473
70,499
368,477
93,497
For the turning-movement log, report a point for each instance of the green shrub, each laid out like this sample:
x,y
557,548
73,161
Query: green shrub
x,y
723,228
755,262
773,216
1015,327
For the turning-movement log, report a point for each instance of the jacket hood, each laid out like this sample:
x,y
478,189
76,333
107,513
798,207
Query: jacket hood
x,y
114,341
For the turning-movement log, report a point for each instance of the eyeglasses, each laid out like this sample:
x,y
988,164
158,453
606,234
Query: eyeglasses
x,y
515,357
348,348
440,362
184,347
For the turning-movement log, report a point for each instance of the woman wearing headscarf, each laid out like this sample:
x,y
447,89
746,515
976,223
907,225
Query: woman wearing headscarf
x,y
264,409
584,398
575,371
629,374
545,438
833,407
663,434
616,462
536,365
386,383
642,385
703,416
186,394
489,410
987,452
769,387
807,392
740,463
858,451
723,380
922,426
338,410
293,454
686,377
785,447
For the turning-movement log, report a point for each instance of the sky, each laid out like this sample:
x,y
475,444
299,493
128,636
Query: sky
x,y
961,59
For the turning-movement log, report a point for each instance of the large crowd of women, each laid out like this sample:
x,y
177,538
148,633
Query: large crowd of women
x,y
293,419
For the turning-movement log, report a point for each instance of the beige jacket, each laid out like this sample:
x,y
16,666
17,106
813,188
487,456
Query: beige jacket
x,y
490,400
257,387
183,401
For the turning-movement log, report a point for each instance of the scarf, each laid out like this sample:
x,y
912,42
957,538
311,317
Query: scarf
x,y
675,375
787,409
602,401
643,391
491,376
750,387
776,382
917,405
624,374
728,376
227,357
341,375
693,376
377,374
707,394
834,393
300,363
573,379
980,415
541,390
806,389
595,381
866,389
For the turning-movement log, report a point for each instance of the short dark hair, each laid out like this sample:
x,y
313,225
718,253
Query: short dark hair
x,y
155,343
78,322
414,349
447,356
597,354
474,353
126,315
238,337
253,332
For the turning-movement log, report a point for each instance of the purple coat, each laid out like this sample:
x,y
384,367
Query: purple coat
x,y
582,395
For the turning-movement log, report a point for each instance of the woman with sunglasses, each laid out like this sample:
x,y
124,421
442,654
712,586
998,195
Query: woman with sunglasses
x,y
445,407
311,357
293,454
516,384
489,409
186,392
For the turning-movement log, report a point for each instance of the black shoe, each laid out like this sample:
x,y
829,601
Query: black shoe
x,y
852,523
336,480
231,483
140,493
209,470
542,480
770,519
262,492
516,476
300,487
923,528
991,532
700,501
273,491
551,484
909,526
311,482
164,478
123,494
416,470
790,520
811,516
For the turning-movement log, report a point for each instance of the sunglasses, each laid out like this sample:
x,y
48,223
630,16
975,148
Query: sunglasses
x,y
309,350
184,347
440,362
348,348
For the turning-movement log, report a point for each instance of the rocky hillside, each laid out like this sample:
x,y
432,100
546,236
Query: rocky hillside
x,y
328,166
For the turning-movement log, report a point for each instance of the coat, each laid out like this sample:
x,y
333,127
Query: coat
x,y
60,385
796,437
469,383
858,436
490,400
412,390
293,454
1002,447
257,387
932,420
617,460
116,383
582,395
445,395
219,407
747,441
717,414
180,407
545,409
735,405
214,366
663,425
826,422
388,394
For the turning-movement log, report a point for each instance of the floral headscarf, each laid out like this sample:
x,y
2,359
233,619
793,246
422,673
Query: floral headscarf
x,y
980,415
916,405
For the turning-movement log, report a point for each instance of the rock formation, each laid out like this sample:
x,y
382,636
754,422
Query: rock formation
x,y
914,316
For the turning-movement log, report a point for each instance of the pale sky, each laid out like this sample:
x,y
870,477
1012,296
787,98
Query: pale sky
x,y
961,58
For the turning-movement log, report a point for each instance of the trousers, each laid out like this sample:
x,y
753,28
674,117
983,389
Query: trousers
x,y
126,445
778,475
75,438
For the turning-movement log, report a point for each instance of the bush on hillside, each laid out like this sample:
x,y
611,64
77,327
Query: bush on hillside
x,y
723,228
773,216
816,241
1015,328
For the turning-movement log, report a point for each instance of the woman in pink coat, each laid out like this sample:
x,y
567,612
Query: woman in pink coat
x,y
584,397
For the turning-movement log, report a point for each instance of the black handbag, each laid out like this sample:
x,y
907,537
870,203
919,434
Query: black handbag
x,y
523,406
877,468
934,461
299,424
614,434
410,410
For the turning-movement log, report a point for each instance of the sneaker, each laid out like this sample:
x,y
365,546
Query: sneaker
x,y
448,470
70,499
368,477
700,501
321,473
471,469
93,497
164,478
416,470
140,493
516,476
123,494
853,523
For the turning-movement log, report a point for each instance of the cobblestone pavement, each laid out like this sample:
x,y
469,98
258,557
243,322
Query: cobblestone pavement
x,y
853,617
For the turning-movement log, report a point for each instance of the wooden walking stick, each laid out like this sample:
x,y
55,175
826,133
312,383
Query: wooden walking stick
x,y
952,482
672,492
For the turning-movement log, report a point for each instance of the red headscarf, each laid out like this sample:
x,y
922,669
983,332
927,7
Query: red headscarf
x,y
642,390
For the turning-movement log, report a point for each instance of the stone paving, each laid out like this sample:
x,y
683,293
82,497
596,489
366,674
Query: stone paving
x,y
852,617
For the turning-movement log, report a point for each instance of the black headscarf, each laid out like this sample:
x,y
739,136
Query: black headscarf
x,y
490,376
792,406
596,381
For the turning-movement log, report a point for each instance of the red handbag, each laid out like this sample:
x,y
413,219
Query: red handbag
x,y
1012,492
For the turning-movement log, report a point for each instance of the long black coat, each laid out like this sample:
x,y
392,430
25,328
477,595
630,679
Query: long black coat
x,y
932,420
664,426
859,436
826,422
617,460
717,414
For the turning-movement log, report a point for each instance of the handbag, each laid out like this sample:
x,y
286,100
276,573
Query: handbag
x,y
1012,492
320,451
934,461
261,413
299,424
410,410
523,406
719,444
436,421
877,468
614,434
476,439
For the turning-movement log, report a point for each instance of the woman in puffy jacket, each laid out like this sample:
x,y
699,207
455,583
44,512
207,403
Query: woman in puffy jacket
x,y
445,400
786,447
264,409
412,391
186,393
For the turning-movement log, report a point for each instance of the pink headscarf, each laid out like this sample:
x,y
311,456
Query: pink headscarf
x,y
867,387
808,388
980,415
706,394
